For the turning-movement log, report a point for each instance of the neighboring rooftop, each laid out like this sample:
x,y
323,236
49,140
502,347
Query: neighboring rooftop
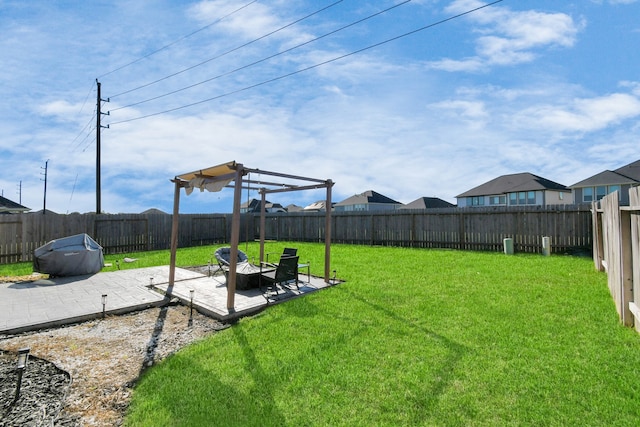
x,y
628,174
9,206
514,183
428,203
368,197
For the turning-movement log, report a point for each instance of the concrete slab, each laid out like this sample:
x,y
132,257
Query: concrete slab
x,y
27,306
210,295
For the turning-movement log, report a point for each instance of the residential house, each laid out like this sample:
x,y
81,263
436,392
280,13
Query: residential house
x,y
367,201
319,206
605,182
253,205
10,207
428,203
293,208
520,189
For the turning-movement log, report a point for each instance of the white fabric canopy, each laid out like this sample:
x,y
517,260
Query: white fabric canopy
x,y
210,184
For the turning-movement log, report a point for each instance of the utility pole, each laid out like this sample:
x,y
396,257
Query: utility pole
x,y
98,162
20,192
46,166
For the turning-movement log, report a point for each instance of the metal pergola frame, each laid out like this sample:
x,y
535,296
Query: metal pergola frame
x,y
221,176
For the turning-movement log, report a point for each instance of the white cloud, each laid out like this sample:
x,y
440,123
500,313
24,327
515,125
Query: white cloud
x,y
509,37
583,114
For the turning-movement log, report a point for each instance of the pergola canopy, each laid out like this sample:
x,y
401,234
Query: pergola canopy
x,y
216,178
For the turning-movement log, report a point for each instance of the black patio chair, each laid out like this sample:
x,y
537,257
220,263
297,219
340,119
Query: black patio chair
x,y
286,252
285,273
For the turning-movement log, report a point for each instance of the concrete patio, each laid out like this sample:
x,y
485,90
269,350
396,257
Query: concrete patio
x,y
45,303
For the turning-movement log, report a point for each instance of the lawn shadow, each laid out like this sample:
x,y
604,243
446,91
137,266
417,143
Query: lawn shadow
x,y
444,377
262,379
150,350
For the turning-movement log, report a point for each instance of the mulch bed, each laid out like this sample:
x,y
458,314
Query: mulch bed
x,y
42,393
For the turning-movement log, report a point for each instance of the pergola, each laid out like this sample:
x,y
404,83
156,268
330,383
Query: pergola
x,y
233,175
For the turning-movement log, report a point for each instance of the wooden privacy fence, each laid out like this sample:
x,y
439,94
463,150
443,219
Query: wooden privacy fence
x,y
482,229
122,233
616,250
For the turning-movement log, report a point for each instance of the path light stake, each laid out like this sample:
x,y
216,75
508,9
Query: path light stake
x,y
150,282
334,277
23,358
104,304
191,292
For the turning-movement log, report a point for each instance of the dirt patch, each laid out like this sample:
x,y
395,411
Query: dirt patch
x,y
25,278
103,357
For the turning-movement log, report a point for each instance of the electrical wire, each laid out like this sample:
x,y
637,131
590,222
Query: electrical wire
x,y
244,67
178,40
228,51
337,58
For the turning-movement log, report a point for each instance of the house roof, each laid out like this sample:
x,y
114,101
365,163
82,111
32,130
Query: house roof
x,y
632,170
368,197
320,205
428,203
628,174
513,183
7,205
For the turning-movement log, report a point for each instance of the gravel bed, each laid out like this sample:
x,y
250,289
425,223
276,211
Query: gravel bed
x,y
83,374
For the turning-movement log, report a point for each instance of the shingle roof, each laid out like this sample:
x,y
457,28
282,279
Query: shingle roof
x,y
428,203
628,174
7,205
366,198
632,170
513,183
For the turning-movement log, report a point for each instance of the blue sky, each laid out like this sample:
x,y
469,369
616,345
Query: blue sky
x,y
547,87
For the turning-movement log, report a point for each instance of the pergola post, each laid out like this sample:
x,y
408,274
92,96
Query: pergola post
x,y
174,233
327,233
263,223
235,238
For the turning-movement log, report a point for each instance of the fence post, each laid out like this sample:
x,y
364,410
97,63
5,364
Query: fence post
x,y
596,224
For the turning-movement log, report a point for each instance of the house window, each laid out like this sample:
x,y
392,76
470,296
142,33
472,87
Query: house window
x,y
475,201
613,188
522,198
601,191
587,194
531,197
498,200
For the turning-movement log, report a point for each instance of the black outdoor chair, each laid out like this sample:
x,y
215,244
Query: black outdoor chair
x,y
285,273
223,256
286,252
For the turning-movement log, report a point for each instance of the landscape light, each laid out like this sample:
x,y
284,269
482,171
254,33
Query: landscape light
x,y
23,358
191,292
104,304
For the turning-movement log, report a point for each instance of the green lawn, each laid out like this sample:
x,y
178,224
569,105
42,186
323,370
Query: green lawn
x,y
413,337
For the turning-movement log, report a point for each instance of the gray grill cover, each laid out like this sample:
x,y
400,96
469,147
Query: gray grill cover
x,y
69,256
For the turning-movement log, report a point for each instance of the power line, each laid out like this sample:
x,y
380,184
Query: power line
x,y
244,67
372,46
178,40
228,51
